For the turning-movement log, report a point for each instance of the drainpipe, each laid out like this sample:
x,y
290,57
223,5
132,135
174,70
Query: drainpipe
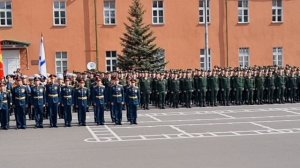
x,y
227,44
206,36
96,34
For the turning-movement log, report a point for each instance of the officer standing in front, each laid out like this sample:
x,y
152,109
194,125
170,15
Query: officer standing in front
x,y
20,102
38,100
133,98
117,100
67,101
99,96
5,101
52,93
81,102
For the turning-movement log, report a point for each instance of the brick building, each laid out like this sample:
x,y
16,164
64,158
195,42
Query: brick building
x,y
240,32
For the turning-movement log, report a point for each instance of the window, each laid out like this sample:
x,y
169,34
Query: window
x,y
59,13
278,56
109,12
61,61
244,57
111,61
202,11
5,13
277,11
243,9
158,12
205,63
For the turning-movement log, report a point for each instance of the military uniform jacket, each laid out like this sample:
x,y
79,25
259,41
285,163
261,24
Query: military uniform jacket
x,y
38,95
189,84
280,81
99,95
238,82
196,83
81,96
117,94
5,100
161,85
224,83
249,83
20,96
175,86
145,85
259,82
202,83
213,83
52,93
133,95
292,82
67,95
270,82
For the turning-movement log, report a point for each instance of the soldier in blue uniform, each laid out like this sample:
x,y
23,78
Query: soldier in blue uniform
x,y
81,102
5,101
52,93
38,100
20,102
117,100
99,96
67,101
133,98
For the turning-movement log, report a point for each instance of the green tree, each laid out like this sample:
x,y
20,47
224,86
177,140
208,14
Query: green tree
x,y
139,50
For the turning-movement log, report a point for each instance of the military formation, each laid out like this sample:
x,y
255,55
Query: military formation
x,y
52,98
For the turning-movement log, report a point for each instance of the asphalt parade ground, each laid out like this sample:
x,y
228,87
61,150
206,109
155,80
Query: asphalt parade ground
x,y
259,136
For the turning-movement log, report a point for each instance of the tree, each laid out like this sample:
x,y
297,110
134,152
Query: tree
x,y
139,50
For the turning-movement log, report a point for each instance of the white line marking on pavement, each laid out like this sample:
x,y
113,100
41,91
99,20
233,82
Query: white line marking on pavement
x,y
263,126
93,134
181,131
289,111
224,115
154,118
113,133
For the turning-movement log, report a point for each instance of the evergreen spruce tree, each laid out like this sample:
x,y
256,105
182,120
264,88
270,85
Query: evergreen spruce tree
x,y
139,50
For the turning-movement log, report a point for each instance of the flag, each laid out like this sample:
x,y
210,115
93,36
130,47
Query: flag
x,y
1,64
42,59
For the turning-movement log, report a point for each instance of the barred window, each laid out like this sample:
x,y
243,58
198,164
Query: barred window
x,y
109,12
59,13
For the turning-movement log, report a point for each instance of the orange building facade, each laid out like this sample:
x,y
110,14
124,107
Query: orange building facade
x,y
240,32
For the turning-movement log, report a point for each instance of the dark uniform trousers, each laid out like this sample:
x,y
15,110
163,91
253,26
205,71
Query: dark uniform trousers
x,y
4,110
53,94
19,95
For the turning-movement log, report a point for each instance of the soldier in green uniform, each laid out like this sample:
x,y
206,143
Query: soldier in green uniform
x,y
189,88
270,87
225,88
203,88
145,87
213,87
239,88
182,95
161,91
280,82
175,90
259,87
249,88
196,88
292,87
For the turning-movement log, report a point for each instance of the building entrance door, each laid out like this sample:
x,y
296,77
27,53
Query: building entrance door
x,y
11,60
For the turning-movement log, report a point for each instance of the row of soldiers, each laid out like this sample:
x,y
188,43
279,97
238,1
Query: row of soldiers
x,y
50,98
220,86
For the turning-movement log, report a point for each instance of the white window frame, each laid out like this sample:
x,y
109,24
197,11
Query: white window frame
x,y
157,10
241,11
244,57
277,53
109,57
275,11
61,60
110,9
60,10
6,11
202,10
206,64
